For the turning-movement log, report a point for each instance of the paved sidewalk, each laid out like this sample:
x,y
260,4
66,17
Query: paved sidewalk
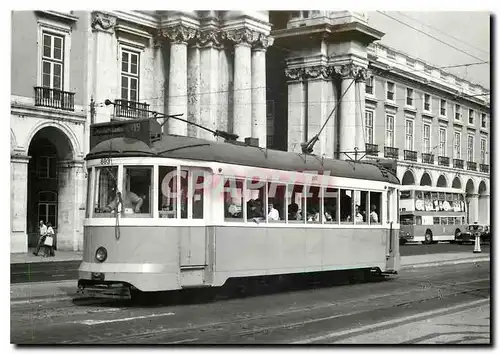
x,y
431,260
60,256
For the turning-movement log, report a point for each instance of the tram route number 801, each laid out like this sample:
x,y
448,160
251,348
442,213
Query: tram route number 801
x,y
106,161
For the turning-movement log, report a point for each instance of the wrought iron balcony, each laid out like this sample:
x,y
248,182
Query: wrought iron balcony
x,y
428,158
371,149
54,98
471,166
391,152
410,155
131,109
443,161
457,163
484,168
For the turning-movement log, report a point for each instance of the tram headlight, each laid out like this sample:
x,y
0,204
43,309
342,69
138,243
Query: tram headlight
x,y
101,254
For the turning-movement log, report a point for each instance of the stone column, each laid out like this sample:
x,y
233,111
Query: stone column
x,y
473,208
296,108
70,180
209,59
18,202
259,113
242,97
159,77
484,209
360,110
347,133
177,80
104,64
193,89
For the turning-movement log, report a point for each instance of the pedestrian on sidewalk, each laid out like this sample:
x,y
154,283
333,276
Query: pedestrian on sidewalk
x,y
49,241
41,240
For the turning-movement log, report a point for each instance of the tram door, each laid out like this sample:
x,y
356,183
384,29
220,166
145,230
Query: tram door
x,y
193,239
392,251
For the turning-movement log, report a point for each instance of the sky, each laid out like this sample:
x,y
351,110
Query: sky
x,y
467,31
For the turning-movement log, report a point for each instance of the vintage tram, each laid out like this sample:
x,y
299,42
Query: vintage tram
x,y
169,212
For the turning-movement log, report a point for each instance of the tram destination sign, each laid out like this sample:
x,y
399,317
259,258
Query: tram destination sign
x,y
140,129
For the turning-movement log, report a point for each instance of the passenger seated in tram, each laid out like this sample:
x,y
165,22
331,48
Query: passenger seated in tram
x,y
272,214
373,214
130,203
293,212
357,215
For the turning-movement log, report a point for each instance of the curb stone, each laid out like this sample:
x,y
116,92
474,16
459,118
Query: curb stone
x,y
448,262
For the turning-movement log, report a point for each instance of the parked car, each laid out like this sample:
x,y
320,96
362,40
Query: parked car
x,y
469,235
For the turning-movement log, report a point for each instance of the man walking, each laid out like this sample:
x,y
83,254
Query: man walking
x,y
41,240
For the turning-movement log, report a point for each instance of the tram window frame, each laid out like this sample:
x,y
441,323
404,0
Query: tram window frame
x,y
167,199
458,220
88,204
277,195
451,220
99,209
184,192
378,206
235,187
436,220
292,191
146,196
312,194
346,217
195,186
444,220
363,196
331,193
253,185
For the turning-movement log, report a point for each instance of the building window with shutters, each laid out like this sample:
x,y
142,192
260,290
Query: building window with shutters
x,y
129,76
369,126
409,97
470,148
390,91
389,130
457,145
52,61
370,87
409,135
442,141
442,108
427,102
471,116
427,139
483,120
483,151
458,112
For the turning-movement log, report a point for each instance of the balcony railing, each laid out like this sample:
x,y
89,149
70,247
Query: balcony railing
x,y
428,158
391,152
54,98
443,161
410,155
471,166
130,109
484,168
371,149
457,163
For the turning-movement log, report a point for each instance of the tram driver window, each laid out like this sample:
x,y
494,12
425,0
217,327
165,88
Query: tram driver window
x,y
167,192
330,205
105,191
136,191
375,213
346,206
233,199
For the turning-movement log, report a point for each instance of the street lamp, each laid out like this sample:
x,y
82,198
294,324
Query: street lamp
x,y
467,200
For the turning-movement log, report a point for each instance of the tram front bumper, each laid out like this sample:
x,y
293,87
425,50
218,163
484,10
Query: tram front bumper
x,y
103,290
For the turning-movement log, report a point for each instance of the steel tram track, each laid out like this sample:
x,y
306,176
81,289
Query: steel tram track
x,y
224,328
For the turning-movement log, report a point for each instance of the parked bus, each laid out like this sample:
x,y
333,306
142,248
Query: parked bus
x,y
169,212
431,214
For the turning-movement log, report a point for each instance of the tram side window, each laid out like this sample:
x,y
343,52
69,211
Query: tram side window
x,y
105,191
458,221
296,207
136,191
346,205
233,199
376,208
313,196
183,193
198,180
256,197
276,202
330,205
418,220
444,221
361,204
167,192
436,220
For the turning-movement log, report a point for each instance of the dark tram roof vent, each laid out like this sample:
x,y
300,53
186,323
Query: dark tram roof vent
x,y
252,142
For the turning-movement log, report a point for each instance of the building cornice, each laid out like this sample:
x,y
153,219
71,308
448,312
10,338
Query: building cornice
x,y
48,113
61,16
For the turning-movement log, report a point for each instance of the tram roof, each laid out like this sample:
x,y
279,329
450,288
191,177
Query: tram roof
x,y
181,147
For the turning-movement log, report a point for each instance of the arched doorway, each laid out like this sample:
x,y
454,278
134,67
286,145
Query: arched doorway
x,y
456,183
483,204
47,181
408,178
472,201
441,182
426,180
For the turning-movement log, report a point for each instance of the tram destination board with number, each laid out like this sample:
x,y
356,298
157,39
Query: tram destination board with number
x,y
140,129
